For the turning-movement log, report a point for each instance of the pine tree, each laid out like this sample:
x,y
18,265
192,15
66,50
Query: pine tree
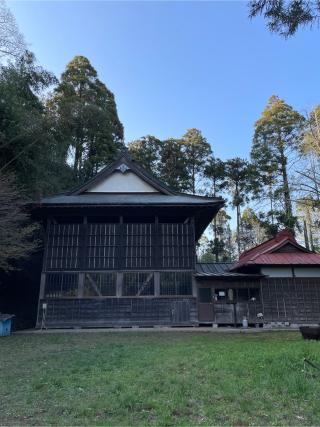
x,y
221,245
197,151
215,172
241,182
277,132
147,152
87,118
286,17
173,165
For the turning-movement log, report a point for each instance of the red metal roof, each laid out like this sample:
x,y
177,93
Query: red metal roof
x,y
267,253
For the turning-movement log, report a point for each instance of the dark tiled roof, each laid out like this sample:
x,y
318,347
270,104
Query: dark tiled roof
x,y
129,199
219,269
213,268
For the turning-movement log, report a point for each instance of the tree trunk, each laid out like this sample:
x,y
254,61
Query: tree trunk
x,y
305,232
238,228
215,239
193,180
286,188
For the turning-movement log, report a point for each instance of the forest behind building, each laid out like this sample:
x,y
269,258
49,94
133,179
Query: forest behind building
x,y
56,132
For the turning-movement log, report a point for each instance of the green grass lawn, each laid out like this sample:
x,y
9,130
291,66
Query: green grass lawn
x,y
159,378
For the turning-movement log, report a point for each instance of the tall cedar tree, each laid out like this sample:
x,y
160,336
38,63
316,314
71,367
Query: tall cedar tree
x,y
221,248
87,118
286,17
28,147
180,163
215,172
197,151
277,133
16,232
173,165
147,152
221,245
241,181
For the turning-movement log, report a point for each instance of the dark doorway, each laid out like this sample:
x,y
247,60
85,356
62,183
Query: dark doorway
x,y
205,305
232,305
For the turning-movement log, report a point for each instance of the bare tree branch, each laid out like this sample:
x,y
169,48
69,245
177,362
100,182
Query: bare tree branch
x,y
12,43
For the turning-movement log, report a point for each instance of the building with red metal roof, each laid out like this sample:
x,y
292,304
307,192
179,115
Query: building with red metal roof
x,y
282,250
276,283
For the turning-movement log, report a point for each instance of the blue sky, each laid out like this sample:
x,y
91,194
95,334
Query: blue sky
x,y
177,65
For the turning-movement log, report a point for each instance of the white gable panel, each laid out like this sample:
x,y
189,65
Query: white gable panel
x,y
119,182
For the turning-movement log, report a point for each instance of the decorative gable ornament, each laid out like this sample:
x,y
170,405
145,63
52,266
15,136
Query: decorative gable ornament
x,y
123,168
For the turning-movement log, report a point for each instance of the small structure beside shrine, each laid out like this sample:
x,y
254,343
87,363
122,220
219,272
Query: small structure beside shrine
x,y
276,283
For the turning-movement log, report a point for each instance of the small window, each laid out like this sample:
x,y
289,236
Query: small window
x,y
220,294
100,285
176,283
205,295
61,285
138,284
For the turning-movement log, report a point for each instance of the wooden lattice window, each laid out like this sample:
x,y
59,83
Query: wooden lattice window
x,y
138,245
102,241
176,283
138,284
64,247
61,285
177,246
100,284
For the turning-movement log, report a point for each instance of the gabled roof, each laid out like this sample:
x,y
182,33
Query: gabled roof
x,y
81,196
156,197
123,164
283,249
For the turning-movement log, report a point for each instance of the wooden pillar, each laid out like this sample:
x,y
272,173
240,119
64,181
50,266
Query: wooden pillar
x,y
80,285
119,283
194,286
156,244
156,279
41,296
42,286
193,242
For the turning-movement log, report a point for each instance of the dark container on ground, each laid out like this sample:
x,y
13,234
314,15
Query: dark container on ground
x,y
310,332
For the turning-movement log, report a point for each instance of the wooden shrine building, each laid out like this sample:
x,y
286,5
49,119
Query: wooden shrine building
x,y
120,251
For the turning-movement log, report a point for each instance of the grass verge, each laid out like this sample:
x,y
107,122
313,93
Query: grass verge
x,y
158,378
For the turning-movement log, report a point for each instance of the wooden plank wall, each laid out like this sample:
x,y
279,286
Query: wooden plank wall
x,y
111,312
294,300
119,246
